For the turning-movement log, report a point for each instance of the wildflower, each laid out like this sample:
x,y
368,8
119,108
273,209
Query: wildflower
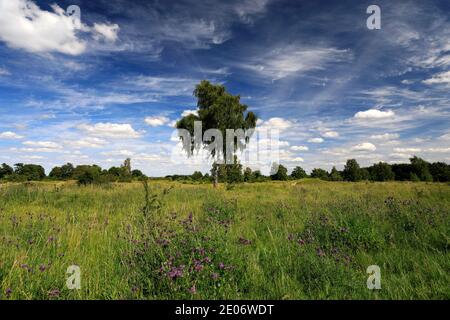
x,y
215,276
8,292
42,267
320,253
221,266
244,241
193,290
54,293
301,241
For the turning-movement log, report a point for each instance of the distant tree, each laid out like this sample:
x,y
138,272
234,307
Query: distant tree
x,y
319,174
364,174
421,168
127,167
440,171
217,109
381,172
298,173
257,176
5,171
281,174
137,174
234,172
30,172
86,174
352,171
402,171
335,175
248,176
197,176
64,172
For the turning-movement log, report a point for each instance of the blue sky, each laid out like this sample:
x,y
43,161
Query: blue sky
x,y
112,86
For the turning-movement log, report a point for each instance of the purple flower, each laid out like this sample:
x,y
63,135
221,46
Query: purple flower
x,y
8,292
193,289
244,241
42,267
221,266
215,276
54,293
320,253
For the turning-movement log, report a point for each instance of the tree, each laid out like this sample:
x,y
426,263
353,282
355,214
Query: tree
x,y
319,173
127,166
335,175
248,176
64,172
197,176
440,171
217,109
137,174
402,171
30,172
421,169
5,170
298,173
257,176
381,172
352,171
281,174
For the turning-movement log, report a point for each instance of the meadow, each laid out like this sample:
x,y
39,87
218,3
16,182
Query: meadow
x,y
306,239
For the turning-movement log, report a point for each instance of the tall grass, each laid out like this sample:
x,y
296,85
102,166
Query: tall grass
x,y
278,240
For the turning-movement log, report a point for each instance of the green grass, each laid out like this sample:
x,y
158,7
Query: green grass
x,y
280,240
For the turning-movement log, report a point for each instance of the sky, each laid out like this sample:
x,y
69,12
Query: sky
x,y
111,84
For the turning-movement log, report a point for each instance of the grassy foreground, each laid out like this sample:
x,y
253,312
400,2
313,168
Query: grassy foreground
x,y
288,240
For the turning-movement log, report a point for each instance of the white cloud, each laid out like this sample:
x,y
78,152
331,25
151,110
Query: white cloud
x,y
298,159
111,130
439,78
286,61
157,121
407,150
315,140
188,112
106,31
275,123
330,134
365,146
4,72
374,114
10,135
25,26
88,142
385,136
43,144
299,148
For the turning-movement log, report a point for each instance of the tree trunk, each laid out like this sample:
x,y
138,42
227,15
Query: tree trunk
x,y
216,177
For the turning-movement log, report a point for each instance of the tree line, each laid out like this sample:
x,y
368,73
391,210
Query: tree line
x,y
84,174
416,170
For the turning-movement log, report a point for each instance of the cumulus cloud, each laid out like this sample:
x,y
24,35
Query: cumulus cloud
x,y
24,25
385,136
365,146
299,148
43,144
108,32
157,121
374,114
110,130
188,112
315,140
4,72
10,135
330,134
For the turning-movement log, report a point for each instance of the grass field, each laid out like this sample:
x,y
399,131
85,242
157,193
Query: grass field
x,y
288,240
